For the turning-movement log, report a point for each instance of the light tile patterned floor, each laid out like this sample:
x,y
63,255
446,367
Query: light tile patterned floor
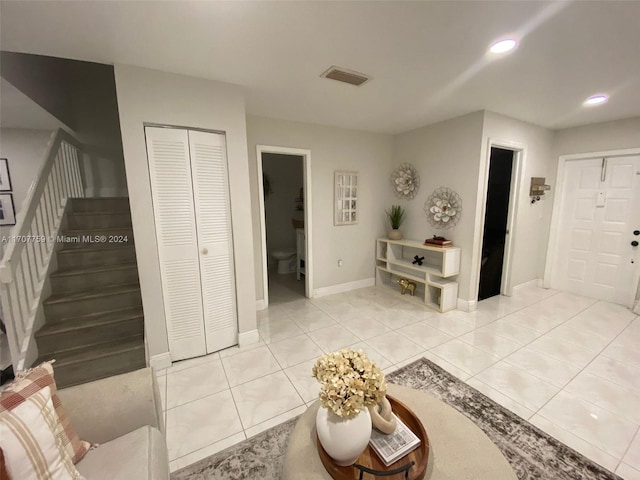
x,y
568,364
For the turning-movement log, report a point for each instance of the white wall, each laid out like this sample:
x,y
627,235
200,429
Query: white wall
x,y
169,99
533,220
25,150
616,135
331,149
446,154
286,179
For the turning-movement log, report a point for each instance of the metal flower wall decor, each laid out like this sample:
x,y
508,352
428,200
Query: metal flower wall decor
x,y
443,208
405,181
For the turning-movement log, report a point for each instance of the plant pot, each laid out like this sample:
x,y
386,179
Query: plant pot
x,y
343,439
394,234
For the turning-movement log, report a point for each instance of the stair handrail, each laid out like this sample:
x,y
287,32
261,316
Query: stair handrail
x,y
30,244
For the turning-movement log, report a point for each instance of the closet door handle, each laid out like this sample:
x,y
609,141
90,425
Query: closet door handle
x,y
205,250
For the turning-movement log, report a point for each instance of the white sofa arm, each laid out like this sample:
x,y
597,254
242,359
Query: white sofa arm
x,y
106,409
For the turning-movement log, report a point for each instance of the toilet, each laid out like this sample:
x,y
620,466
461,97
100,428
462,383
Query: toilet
x,y
286,260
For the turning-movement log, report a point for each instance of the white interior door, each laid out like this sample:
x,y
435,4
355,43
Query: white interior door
x,y
211,197
173,205
598,213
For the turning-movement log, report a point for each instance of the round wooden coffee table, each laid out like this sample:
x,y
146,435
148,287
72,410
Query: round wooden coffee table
x,y
458,448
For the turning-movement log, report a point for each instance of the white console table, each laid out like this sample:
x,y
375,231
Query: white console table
x,y
435,278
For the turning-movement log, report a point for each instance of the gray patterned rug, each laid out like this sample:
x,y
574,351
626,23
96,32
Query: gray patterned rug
x,y
533,454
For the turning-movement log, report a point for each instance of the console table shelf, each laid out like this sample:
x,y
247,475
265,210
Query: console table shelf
x,y
435,279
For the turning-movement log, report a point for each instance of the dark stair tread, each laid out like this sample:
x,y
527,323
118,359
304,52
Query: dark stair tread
x,y
101,212
93,293
114,372
91,316
75,232
66,272
94,352
95,247
94,320
97,199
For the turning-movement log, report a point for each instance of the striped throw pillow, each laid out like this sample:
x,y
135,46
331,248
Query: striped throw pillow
x,y
32,449
29,383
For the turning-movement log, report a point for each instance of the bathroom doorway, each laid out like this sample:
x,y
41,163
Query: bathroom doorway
x,y
284,188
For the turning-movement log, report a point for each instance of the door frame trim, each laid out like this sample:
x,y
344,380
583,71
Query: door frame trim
x,y
306,173
517,172
552,245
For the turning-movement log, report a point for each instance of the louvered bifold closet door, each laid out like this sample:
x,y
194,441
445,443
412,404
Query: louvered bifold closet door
x,y
174,212
213,213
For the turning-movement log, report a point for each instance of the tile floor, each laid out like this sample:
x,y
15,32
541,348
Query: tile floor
x,y
568,364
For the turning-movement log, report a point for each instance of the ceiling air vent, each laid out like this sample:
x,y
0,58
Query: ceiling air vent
x,y
345,76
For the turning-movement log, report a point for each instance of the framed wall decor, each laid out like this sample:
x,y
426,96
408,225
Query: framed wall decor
x,y
5,178
7,210
443,208
405,181
345,198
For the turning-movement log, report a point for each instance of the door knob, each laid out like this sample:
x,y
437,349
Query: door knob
x,y
634,243
636,232
205,250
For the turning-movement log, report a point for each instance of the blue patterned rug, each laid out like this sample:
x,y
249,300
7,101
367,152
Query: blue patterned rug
x,y
533,454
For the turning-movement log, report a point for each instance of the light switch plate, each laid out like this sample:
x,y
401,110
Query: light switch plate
x,y
601,198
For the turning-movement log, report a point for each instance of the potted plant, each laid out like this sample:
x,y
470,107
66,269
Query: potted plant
x,y
350,384
396,217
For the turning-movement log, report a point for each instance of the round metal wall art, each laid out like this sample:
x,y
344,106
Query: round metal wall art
x,y
443,208
405,181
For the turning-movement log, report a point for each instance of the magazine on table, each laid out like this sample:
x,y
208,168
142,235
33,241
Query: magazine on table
x,y
392,447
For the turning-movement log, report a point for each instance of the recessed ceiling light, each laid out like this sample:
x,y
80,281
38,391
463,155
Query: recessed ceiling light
x,y
596,100
503,46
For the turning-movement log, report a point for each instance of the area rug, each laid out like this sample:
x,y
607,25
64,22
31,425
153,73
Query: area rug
x,y
533,454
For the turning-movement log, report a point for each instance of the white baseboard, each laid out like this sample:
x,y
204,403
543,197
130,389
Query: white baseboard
x,y
248,338
344,287
467,305
260,305
160,361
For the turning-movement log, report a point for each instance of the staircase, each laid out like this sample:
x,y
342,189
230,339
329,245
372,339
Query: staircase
x,y
94,322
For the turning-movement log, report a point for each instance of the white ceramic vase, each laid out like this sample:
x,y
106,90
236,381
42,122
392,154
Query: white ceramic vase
x,y
343,439
394,234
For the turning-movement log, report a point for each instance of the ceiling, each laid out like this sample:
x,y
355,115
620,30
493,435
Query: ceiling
x,y
427,60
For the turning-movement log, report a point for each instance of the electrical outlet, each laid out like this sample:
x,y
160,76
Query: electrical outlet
x,y
339,262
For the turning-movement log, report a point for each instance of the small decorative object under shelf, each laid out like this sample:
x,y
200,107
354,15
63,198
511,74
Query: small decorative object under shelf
x,y
396,217
443,208
350,384
405,181
406,285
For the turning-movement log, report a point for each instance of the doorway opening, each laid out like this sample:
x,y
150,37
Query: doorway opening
x,y
496,218
285,223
